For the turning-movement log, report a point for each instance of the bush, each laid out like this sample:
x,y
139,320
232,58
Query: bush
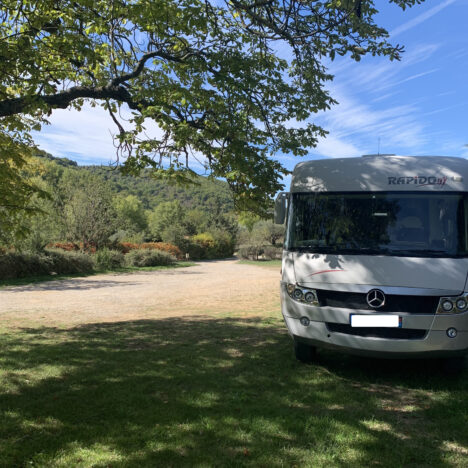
x,y
164,247
20,265
108,259
218,244
148,257
224,244
126,247
253,252
70,262
249,252
271,252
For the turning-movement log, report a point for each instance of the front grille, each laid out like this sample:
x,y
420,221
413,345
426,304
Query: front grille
x,y
390,333
393,302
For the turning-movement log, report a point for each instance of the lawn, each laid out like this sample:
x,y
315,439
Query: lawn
x,y
217,391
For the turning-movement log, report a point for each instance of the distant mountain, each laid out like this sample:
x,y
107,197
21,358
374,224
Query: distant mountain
x,y
209,195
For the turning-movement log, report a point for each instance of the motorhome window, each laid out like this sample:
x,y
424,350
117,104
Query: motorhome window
x,y
389,223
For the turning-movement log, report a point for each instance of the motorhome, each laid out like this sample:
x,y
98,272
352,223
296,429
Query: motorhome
x,y
375,260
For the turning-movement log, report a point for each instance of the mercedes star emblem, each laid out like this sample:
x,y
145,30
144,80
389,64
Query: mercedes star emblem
x,y
375,298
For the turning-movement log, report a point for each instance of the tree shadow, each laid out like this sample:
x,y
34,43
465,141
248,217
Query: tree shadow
x,y
216,392
77,284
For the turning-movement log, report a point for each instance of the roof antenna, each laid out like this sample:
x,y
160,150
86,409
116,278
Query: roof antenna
x,y
378,147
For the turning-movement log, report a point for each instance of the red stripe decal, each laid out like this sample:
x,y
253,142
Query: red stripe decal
x,y
325,271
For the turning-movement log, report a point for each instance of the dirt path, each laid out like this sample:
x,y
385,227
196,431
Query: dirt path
x,y
224,286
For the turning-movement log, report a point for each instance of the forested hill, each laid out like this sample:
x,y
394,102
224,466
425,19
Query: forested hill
x,y
207,194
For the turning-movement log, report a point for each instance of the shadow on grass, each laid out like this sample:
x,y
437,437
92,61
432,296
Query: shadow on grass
x,y
81,281
217,392
72,281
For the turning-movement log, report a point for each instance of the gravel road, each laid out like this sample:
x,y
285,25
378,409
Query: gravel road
x,y
208,288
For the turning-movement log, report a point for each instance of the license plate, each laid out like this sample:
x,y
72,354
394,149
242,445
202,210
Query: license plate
x,y
381,321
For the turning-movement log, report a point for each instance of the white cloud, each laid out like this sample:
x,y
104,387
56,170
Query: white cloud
x,y
334,147
85,136
81,135
420,18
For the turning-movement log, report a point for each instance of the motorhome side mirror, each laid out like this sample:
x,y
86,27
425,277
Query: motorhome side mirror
x,y
280,207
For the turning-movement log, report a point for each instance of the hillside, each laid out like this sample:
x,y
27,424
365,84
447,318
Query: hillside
x,y
207,194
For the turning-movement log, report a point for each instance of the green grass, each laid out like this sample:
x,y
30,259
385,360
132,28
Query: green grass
x,y
269,263
217,392
42,278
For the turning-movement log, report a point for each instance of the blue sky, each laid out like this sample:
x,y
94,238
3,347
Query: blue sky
x,y
416,106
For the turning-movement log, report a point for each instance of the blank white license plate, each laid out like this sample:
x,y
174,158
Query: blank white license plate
x,y
384,321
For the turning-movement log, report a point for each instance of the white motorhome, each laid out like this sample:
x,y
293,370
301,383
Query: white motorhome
x,y
375,260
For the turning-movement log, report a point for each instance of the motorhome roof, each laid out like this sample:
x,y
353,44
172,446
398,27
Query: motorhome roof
x,y
381,173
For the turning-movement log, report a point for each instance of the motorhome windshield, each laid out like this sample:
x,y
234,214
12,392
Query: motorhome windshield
x,y
379,223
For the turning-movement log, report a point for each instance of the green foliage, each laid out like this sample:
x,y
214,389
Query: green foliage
x,y
164,219
210,245
147,258
206,193
20,265
130,213
271,252
248,219
204,71
89,214
16,188
95,207
106,259
261,239
44,224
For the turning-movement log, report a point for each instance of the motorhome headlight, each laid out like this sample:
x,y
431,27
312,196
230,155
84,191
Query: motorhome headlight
x,y
301,294
453,305
298,294
310,297
447,305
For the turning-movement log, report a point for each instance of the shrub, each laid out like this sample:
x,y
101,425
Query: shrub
x,y
224,244
126,247
148,257
70,262
271,252
249,252
20,265
164,247
218,244
108,259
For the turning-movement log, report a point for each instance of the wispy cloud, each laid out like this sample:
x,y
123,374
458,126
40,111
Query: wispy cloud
x,y
420,18
404,80
83,136
334,147
355,127
376,76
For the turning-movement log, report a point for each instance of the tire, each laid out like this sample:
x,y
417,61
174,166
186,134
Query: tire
x,y
304,353
455,365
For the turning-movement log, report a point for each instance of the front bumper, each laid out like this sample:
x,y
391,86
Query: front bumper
x,y
435,342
